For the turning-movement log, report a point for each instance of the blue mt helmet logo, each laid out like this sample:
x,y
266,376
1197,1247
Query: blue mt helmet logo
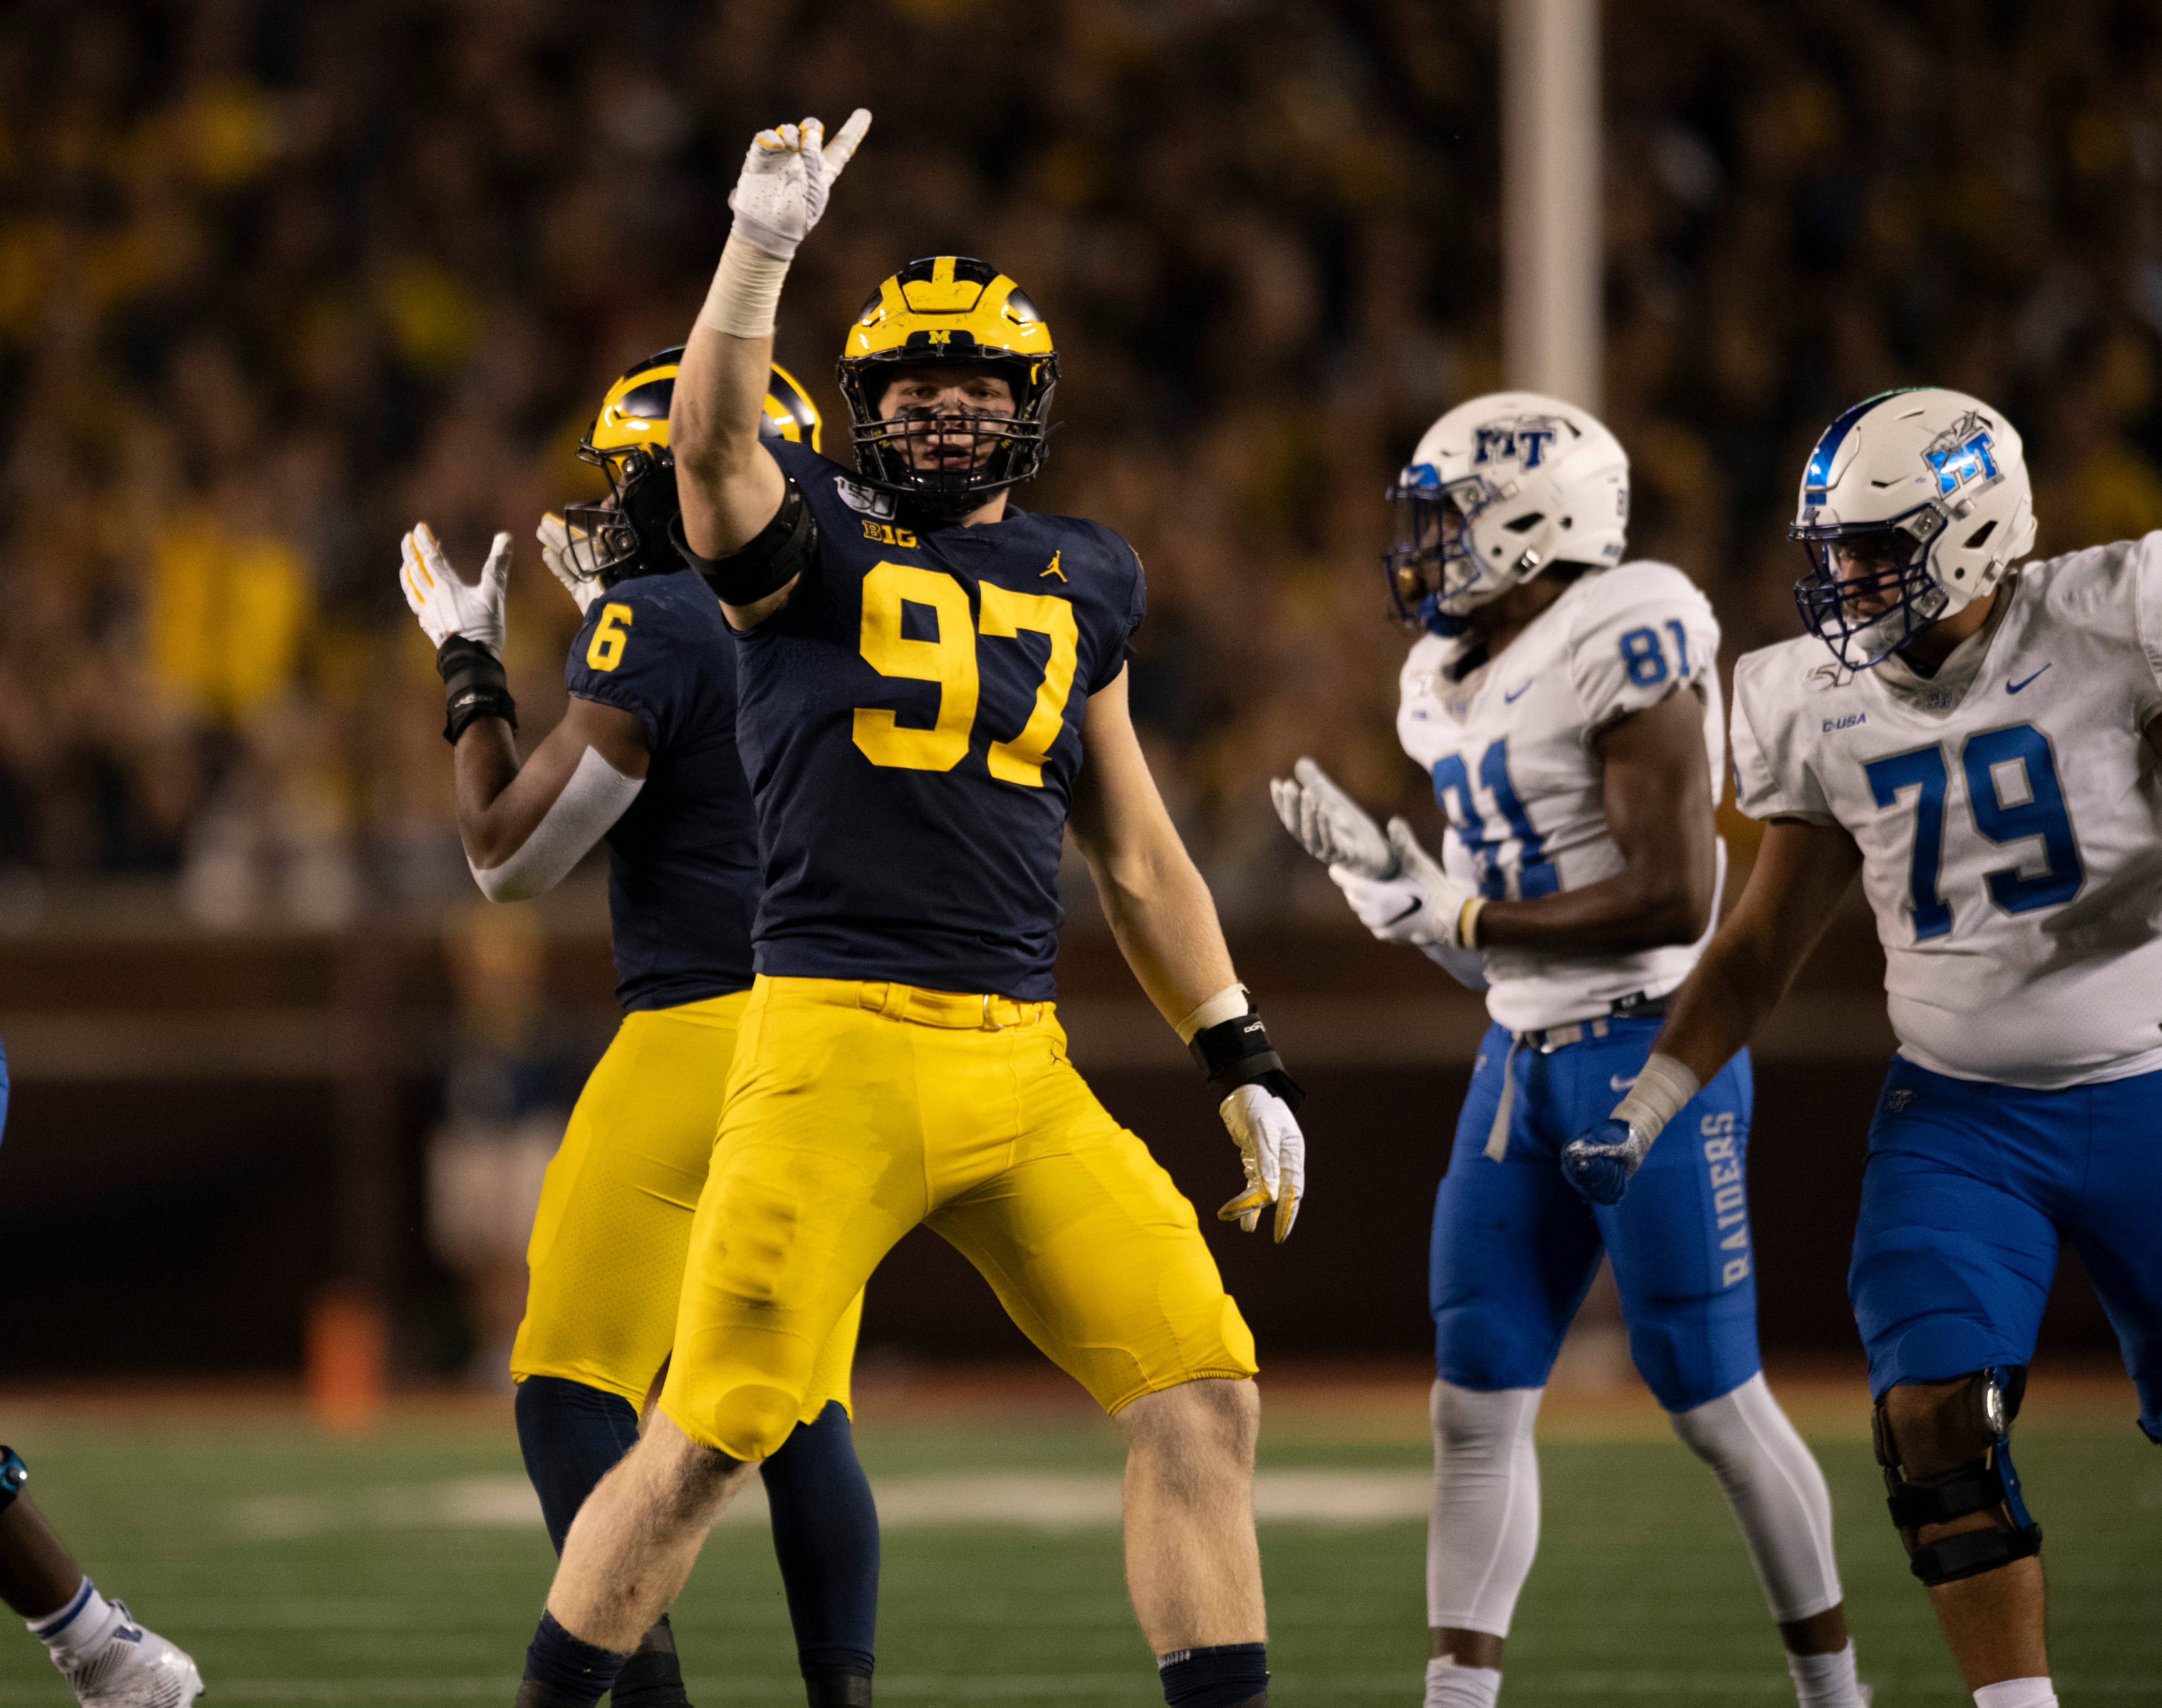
x,y
1523,441
1963,455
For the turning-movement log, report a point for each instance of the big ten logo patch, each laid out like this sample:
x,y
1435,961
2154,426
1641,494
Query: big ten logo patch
x,y
887,535
1730,1198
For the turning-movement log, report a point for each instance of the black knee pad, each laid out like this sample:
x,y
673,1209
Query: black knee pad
x,y
1988,1484
13,1474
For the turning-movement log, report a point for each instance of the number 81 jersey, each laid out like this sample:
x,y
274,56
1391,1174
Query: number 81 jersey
x,y
911,723
1511,746
2008,810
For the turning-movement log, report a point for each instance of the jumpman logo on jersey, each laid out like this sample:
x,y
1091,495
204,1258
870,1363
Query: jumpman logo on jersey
x,y
2013,687
1054,569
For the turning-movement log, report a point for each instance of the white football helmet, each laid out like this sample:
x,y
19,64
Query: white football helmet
x,y
1940,479
1499,488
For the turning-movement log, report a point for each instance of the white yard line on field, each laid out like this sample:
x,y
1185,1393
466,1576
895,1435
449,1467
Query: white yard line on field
x,y
1037,1500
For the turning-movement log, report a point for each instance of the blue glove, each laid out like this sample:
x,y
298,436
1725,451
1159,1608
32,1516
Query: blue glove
x,y
1599,1164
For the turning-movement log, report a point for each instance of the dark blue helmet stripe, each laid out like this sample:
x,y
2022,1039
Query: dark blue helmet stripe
x,y
1818,475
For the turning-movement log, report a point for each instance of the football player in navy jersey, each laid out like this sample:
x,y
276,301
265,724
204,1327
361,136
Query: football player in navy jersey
x,y
932,686
645,756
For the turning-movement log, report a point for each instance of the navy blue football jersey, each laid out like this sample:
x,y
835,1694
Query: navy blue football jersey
x,y
683,860
910,722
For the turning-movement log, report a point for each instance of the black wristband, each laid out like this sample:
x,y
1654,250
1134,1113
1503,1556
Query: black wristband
x,y
474,686
767,562
1235,1053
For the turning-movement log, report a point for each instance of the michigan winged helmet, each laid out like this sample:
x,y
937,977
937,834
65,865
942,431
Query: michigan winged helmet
x,y
952,313
627,533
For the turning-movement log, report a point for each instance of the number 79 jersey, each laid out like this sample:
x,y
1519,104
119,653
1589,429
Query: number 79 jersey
x,y
1511,746
2008,811
911,724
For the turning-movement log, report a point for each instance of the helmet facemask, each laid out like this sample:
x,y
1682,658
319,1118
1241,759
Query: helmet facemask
x,y
1435,574
625,533
1884,599
947,462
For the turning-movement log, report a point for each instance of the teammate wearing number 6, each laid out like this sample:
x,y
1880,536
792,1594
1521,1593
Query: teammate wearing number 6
x,y
1566,707
1981,747
930,681
646,758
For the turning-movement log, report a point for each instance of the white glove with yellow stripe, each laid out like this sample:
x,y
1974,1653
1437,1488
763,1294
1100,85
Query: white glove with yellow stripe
x,y
556,536
1272,1150
787,177
444,604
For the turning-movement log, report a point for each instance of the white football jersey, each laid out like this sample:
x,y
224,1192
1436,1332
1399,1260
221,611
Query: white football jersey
x,y
2009,814
1508,744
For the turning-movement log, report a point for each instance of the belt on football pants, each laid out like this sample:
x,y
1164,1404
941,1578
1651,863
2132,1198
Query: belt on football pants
x,y
974,1011
1558,1037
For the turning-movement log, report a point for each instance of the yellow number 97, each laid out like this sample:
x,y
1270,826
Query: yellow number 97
x,y
605,652
950,661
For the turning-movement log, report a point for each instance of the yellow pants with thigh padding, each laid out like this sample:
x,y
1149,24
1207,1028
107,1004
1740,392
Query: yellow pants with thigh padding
x,y
856,1110
606,1258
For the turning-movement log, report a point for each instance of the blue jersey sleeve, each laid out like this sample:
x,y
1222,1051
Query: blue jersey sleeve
x,y
1124,557
629,655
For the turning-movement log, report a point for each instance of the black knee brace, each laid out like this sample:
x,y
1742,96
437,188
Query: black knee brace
x,y
1984,1485
13,1474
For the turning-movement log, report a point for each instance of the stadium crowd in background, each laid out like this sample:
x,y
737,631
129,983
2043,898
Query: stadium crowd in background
x,y
279,276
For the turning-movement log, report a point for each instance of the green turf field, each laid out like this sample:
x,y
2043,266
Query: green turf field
x,y
404,1568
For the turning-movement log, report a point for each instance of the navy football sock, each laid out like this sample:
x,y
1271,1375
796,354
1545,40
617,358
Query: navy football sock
x,y
1230,1675
563,1669
572,1436
652,1678
826,1535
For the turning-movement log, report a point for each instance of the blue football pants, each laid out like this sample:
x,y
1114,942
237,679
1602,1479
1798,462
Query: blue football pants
x,y
1515,1248
1970,1189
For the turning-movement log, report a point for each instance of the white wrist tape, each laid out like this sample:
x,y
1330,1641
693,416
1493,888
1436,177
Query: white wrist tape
x,y
1662,1088
596,795
746,291
1227,1003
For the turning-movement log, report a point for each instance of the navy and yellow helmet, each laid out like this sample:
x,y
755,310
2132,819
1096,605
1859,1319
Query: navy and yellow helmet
x,y
948,309
627,533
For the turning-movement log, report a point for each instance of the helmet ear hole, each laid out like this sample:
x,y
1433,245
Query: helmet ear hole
x,y
1524,524
1982,534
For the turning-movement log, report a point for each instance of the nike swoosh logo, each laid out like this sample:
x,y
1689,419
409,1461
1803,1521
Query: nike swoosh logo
x,y
1509,699
1619,1084
2013,687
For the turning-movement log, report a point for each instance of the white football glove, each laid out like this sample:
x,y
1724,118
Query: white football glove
x,y
1423,904
787,177
1330,825
554,536
444,604
1272,1150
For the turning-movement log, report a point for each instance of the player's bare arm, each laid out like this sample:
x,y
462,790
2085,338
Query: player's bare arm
x,y
1802,871
1165,920
1159,908
502,802
1658,797
732,493
523,827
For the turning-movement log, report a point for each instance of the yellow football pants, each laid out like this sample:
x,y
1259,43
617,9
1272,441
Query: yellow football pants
x,y
856,1110
606,1258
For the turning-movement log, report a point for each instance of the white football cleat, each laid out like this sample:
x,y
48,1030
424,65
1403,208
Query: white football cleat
x,y
133,1668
